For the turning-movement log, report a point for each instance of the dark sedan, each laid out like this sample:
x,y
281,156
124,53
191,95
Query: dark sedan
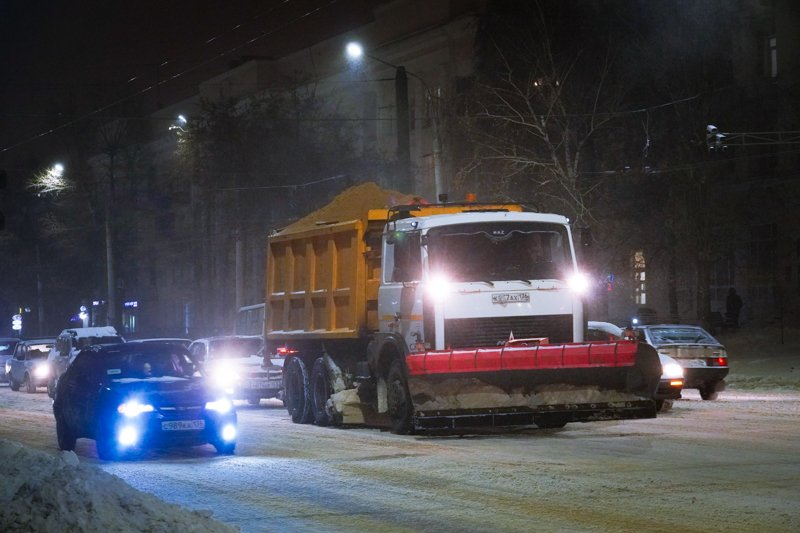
x,y
140,395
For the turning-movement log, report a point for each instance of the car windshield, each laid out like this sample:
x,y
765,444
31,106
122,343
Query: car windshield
x,y
38,351
500,251
679,335
148,363
234,348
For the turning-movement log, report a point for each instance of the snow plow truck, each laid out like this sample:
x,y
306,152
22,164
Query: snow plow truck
x,y
441,317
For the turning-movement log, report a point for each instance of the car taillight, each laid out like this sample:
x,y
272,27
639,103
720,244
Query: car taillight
x,y
717,361
676,383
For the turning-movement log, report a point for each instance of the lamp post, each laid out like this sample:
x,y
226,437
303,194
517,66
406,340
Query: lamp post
x,y
355,51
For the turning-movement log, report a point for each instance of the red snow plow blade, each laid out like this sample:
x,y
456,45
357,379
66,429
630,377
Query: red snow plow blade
x,y
544,384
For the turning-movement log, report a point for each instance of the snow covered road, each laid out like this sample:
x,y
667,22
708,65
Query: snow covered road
x,y
730,465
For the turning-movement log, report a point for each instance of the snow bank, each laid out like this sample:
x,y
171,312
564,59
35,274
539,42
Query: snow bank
x,y
54,493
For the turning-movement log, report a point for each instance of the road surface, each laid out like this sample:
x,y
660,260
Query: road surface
x,y
727,465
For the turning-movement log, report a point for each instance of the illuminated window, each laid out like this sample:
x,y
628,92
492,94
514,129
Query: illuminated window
x,y
639,278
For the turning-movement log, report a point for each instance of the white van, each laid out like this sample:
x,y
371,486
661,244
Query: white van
x,y
69,342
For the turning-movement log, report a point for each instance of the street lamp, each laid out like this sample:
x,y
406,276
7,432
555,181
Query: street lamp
x,y
355,52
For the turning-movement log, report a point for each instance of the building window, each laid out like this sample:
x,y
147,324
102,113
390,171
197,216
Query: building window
x,y
772,56
639,278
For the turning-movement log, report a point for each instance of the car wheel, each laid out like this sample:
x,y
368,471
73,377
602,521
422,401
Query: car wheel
x,y
298,391
106,447
225,449
13,385
30,387
65,437
399,400
254,400
321,391
708,390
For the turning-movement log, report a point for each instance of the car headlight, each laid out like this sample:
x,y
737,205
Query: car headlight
x,y
133,408
42,371
672,371
221,406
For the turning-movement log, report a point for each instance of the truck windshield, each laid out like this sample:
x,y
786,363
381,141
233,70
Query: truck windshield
x,y
500,251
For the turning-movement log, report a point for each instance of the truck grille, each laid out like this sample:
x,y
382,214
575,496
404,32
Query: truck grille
x,y
472,332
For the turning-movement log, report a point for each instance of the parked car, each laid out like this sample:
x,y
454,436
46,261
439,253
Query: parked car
x,y
703,358
69,342
671,382
7,346
236,363
28,367
140,395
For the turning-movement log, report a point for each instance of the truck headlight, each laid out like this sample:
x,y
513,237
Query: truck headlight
x,y
133,408
579,283
224,374
438,286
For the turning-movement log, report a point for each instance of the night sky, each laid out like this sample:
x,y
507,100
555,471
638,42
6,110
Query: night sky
x,y
62,60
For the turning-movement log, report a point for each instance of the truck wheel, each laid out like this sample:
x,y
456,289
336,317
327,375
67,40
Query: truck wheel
x,y
321,391
13,385
298,391
30,387
550,421
400,406
708,390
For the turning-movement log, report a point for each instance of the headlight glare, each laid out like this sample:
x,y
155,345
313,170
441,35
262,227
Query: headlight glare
x,y
42,371
672,371
229,432
134,408
579,283
127,436
221,406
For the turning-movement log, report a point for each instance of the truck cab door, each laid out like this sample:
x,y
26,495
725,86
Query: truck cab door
x,y
399,296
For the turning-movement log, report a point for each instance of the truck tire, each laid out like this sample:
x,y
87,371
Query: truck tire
x,y
321,391
298,390
13,385
400,406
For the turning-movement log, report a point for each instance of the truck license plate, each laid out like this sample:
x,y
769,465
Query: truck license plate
x,y
183,425
511,297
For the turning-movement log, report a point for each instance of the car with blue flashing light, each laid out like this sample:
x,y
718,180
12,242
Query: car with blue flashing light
x,y
672,374
133,396
237,364
28,367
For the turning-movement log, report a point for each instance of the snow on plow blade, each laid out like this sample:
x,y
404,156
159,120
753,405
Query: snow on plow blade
x,y
548,385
